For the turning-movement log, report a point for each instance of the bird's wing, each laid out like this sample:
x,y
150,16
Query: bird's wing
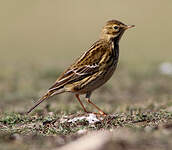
x,y
86,65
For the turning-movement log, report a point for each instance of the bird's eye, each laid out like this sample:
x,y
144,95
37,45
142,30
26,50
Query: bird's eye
x,y
116,27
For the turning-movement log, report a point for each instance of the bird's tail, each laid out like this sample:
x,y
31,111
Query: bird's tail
x,y
49,94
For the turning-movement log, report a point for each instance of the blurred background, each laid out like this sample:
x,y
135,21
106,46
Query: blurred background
x,y
39,39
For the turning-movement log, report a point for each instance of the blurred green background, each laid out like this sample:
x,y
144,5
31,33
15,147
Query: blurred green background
x,y
40,38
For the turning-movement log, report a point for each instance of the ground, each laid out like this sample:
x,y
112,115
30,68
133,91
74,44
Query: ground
x,y
138,105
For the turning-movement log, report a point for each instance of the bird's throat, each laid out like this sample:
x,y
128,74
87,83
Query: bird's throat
x,y
115,48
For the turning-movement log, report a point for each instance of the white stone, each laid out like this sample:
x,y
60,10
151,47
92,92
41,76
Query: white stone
x,y
166,68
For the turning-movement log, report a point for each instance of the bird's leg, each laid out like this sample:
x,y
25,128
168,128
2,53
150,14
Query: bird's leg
x,y
77,96
90,102
100,111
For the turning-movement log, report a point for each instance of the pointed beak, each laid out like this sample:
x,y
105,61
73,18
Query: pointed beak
x,y
130,26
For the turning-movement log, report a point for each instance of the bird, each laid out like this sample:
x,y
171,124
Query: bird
x,y
92,69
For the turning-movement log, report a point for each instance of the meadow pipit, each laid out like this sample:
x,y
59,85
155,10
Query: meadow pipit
x,y
93,68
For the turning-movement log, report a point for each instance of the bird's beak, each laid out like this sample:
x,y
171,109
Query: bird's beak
x,y
129,26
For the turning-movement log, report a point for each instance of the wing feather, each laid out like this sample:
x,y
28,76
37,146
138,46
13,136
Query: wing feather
x,y
88,64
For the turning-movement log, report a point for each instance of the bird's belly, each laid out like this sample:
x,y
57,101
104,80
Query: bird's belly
x,y
97,82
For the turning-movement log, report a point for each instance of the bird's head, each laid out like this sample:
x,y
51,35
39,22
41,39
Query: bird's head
x,y
114,29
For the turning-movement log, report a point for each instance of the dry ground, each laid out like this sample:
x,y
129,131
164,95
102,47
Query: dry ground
x,y
139,107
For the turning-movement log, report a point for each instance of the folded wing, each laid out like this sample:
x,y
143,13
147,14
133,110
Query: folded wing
x,y
88,64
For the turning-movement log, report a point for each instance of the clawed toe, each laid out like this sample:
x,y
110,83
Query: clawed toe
x,y
97,114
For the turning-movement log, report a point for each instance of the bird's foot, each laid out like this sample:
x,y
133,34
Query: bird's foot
x,y
100,114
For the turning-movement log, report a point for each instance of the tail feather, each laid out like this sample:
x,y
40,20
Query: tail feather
x,y
49,94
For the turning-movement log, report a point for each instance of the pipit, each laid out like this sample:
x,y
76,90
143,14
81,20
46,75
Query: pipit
x,y
93,68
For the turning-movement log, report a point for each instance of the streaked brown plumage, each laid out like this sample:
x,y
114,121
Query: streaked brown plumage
x,y
93,68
